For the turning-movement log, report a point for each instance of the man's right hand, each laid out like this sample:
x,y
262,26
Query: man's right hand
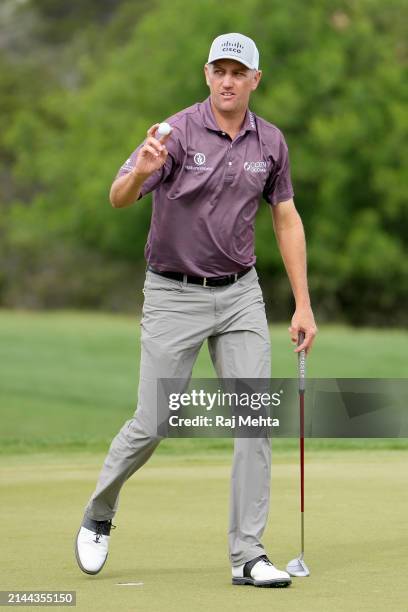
x,y
152,155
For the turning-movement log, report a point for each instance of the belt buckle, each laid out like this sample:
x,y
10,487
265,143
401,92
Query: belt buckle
x,y
205,281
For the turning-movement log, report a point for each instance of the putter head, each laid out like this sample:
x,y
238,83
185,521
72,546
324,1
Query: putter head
x,y
297,567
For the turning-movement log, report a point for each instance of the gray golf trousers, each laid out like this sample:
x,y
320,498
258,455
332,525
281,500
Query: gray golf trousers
x,y
177,318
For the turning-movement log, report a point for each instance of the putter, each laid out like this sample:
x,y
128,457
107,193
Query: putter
x,y
297,567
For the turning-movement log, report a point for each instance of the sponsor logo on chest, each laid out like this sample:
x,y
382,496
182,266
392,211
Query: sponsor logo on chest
x,y
256,166
199,160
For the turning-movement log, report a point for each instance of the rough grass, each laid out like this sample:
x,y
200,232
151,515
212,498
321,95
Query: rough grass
x,y
68,380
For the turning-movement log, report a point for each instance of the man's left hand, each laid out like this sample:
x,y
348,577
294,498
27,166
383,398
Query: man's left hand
x,y
303,320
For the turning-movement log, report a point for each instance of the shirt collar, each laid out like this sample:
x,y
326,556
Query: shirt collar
x,y
209,121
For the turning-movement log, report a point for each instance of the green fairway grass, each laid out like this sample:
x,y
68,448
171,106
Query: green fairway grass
x,y
171,533
68,380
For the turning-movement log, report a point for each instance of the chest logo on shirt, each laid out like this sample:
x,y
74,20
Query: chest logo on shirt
x,y
199,159
255,166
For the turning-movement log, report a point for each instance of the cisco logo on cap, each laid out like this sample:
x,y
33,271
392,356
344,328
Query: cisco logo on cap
x,y
230,47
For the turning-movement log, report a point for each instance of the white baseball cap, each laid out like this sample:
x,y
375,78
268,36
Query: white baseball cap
x,y
237,47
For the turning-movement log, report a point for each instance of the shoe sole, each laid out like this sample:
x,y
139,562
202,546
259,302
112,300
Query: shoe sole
x,y
260,583
79,561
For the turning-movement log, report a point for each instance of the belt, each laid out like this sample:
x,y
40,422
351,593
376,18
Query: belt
x,y
205,281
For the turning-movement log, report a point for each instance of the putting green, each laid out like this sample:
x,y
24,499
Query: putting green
x,y
172,525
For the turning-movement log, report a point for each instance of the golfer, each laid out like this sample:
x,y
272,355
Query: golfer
x,y
207,177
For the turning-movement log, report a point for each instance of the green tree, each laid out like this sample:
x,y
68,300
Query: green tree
x,y
334,82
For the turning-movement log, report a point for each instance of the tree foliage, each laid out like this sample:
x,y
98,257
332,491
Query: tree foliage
x,y
335,82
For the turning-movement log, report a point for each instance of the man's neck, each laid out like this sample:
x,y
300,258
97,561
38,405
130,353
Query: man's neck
x,y
229,123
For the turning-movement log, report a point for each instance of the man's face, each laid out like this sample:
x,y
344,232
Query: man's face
x,y
231,84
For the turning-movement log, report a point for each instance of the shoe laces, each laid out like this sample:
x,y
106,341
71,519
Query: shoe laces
x,y
99,528
266,560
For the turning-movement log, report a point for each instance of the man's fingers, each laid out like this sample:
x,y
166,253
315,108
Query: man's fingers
x,y
308,341
311,340
151,131
301,347
294,330
149,149
156,144
303,344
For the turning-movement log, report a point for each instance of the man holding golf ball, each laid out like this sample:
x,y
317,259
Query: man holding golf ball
x,y
207,166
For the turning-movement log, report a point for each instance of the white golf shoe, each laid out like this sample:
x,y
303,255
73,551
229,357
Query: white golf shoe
x,y
260,572
91,545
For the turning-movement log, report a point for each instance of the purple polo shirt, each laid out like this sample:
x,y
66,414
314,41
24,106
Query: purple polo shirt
x,y
206,195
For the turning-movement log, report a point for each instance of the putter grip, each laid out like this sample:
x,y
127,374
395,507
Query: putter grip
x,y
301,363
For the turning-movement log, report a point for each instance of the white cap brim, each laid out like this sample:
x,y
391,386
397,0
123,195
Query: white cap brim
x,y
233,57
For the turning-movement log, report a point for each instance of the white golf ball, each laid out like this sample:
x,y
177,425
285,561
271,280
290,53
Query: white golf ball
x,y
163,129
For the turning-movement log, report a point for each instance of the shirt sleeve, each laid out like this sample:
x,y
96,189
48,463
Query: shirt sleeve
x,y
278,187
158,177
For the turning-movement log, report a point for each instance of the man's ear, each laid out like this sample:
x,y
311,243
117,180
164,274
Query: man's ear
x,y
206,71
257,78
